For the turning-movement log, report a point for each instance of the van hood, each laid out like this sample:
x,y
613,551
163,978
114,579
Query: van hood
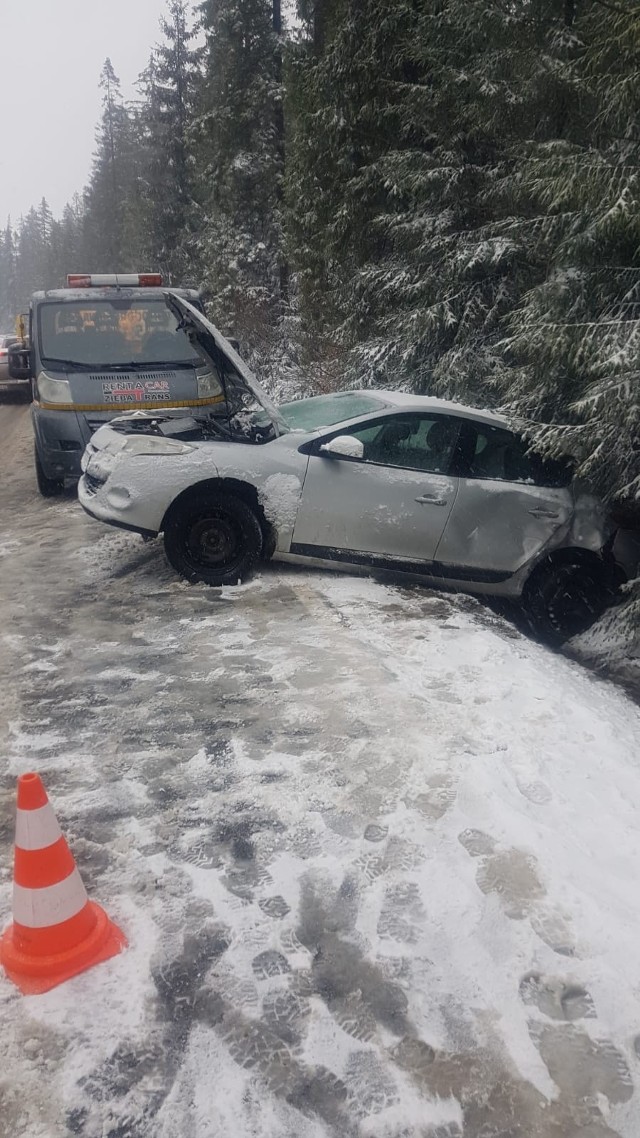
x,y
239,384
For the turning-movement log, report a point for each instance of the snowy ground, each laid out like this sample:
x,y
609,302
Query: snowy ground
x,y
376,853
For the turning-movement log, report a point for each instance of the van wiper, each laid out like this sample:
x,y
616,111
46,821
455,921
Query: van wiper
x,y
145,365
70,365
132,365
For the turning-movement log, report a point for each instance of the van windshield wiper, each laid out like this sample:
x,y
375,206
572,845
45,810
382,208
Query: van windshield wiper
x,y
145,365
69,365
131,365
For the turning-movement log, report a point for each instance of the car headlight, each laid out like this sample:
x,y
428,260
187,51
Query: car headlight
x,y
153,444
54,390
99,465
208,385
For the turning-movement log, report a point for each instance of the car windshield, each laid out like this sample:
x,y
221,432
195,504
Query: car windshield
x,y
326,410
111,333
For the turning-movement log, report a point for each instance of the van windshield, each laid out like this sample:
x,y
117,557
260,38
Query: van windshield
x,y
104,333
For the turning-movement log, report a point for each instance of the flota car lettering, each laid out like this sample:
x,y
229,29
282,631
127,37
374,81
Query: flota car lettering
x,y
119,392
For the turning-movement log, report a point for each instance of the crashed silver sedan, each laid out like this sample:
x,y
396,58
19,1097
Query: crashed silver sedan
x,y
373,480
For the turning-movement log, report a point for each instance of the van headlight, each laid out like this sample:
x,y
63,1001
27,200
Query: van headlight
x,y
54,390
208,385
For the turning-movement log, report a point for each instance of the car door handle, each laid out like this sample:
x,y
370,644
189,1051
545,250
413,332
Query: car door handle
x,y
540,512
431,500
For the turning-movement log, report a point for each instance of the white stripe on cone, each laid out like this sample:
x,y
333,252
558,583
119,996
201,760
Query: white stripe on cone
x,y
38,908
37,829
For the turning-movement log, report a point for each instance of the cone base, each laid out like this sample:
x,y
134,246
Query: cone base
x,y
36,974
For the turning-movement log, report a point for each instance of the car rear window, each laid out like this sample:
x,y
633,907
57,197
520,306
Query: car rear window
x,y
499,455
325,410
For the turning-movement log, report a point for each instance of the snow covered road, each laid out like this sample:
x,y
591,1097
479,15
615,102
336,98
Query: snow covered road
x,y
376,854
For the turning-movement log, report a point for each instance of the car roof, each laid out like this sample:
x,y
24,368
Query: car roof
x,y
408,402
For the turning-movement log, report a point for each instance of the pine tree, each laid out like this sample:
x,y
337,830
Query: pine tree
x,y
8,301
30,258
48,238
576,339
407,129
240,140
314,179
105,195
66,253
169,86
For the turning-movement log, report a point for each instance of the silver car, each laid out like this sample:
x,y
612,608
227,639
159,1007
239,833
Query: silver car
x,y
374,480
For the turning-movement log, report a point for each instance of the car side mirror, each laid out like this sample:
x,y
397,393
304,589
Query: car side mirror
x,y
19,362
344,446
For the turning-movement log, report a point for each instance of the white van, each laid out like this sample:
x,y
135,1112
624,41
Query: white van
x,y
104,345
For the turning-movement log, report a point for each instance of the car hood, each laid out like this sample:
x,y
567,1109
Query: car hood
x,y
238,381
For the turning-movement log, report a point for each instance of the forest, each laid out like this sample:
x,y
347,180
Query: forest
x,y
435,195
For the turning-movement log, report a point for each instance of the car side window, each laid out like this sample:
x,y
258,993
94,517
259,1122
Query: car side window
x,y
411,441
496,454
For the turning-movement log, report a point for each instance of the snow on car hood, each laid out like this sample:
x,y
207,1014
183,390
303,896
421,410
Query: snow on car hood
x,y
238,380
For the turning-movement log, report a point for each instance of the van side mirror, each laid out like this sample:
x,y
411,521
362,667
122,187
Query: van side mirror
x,y
343,446
19,362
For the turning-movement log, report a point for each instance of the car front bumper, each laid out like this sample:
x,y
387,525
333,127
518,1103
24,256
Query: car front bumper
x,y
113,507
99,515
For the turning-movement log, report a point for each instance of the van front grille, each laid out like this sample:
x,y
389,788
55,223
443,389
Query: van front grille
x,y
126,376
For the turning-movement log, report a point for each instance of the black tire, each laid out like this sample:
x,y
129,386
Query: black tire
x,y
48,487
564,598
213,537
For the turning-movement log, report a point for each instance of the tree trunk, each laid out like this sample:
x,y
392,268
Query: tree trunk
x,y
562,112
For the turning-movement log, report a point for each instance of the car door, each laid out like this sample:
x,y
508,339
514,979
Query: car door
x,y
393,502
509,505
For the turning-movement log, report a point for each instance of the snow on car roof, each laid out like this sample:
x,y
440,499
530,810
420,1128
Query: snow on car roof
x,y
429,402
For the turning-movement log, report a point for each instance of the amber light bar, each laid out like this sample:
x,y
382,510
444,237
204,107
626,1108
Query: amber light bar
x,y
119,280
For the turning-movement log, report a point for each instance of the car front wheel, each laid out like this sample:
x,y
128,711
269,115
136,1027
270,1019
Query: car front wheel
x,y
563,599
212,537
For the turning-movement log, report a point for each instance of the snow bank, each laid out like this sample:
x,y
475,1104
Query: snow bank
x,y
611,646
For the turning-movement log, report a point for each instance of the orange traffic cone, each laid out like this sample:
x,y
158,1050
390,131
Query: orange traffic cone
x,y
57,931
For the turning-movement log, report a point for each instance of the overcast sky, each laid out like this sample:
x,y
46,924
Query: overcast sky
x,y
52,55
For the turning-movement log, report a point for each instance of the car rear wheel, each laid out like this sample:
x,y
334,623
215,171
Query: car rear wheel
x,y
48,487
563,599
213,537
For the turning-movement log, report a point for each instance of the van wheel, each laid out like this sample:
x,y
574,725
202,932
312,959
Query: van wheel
x,y
48,487
212,537
563,599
